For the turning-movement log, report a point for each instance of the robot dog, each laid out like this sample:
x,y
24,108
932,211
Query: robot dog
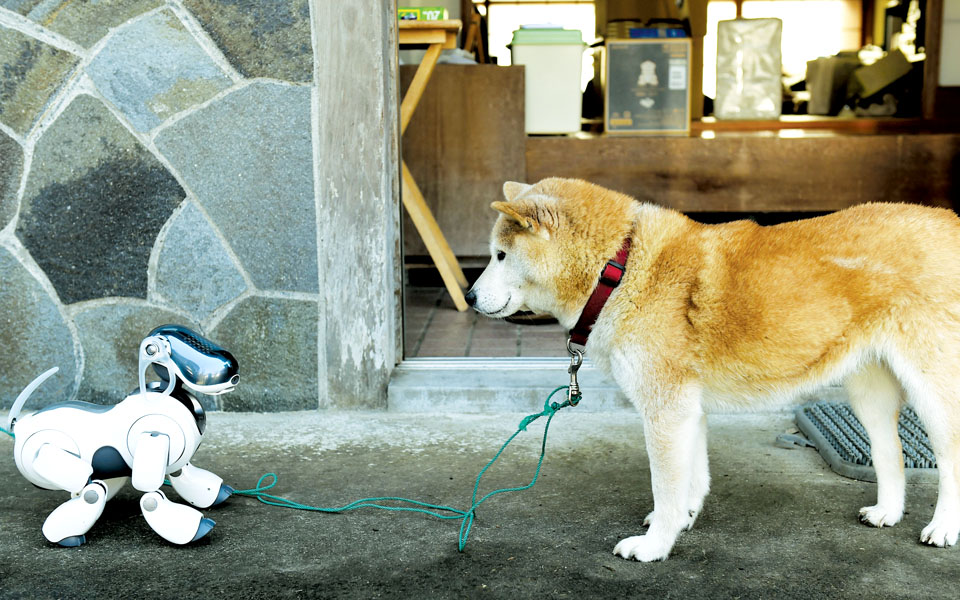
x,y
92,451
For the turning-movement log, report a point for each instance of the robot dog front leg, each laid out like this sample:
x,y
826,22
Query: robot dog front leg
x,y
176,523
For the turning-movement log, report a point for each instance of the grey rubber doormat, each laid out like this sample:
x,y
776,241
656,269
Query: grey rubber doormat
x,y
842,442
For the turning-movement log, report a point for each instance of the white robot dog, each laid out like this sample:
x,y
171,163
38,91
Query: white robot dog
x,y
91,451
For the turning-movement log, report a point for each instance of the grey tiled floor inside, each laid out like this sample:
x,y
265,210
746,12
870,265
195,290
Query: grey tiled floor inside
x,y
433,327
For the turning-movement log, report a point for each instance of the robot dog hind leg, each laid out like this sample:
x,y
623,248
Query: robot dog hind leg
x,y
68,523
176,523
200,487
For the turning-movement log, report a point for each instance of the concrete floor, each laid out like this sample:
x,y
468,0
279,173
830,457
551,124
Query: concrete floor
x,y
778,523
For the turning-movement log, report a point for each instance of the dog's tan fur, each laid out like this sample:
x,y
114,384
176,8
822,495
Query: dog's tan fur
x,y
736,316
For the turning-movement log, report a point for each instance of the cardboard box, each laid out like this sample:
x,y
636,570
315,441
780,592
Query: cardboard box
x,y
643,10
647,86
874,78
827,81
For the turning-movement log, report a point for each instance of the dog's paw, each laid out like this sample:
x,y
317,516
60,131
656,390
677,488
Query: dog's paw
x,y
692,514
941,532
880,516
643,548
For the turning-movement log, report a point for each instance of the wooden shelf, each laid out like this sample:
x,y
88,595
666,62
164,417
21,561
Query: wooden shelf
x,y
851,126
467,138
759,173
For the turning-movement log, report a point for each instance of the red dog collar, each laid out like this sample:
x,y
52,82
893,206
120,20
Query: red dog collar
x,y
610,277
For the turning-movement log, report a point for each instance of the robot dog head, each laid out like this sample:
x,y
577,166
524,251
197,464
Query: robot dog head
x,y
177,353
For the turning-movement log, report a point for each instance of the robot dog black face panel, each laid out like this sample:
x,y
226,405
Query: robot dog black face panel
x,y
201,361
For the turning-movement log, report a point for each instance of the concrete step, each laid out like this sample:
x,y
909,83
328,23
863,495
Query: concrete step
x,y
495,385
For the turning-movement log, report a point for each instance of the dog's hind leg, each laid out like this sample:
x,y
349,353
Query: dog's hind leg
x,y
875,397
941,420
929,390
672,441
944,528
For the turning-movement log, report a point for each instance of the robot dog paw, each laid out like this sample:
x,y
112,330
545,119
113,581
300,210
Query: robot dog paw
x,y
225,492
204,528
73,541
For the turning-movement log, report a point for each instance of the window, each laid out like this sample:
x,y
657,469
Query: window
x,y
811,29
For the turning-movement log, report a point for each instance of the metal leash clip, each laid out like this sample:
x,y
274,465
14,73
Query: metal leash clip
x,y
576,360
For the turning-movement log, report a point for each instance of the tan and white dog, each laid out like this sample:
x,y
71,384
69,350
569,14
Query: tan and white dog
x,y
739,316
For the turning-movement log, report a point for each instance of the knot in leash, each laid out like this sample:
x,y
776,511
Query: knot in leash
x,y
549,408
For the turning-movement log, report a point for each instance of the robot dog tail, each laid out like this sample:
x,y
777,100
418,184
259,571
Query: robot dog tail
x,y
22,398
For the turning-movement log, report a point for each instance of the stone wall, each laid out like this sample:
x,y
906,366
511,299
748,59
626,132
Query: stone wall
x,y
157,164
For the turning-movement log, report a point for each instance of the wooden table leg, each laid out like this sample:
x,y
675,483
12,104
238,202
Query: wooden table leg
x,y
413,201
437,246
419,83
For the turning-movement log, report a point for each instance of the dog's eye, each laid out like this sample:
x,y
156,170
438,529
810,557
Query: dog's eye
x,y
501,255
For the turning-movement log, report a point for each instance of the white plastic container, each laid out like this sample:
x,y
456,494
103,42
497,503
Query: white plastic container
x,y
553,58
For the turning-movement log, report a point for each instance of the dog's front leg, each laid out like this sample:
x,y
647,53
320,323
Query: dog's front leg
x,y
699,477
672,434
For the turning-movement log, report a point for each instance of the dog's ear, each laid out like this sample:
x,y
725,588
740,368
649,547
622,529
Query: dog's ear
x,y
512,211
533,217
513,189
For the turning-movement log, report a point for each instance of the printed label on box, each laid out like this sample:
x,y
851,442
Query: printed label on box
x,y
678,75
424,13
647,86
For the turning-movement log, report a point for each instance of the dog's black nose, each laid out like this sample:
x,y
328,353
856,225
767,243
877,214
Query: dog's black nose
x,y
471,297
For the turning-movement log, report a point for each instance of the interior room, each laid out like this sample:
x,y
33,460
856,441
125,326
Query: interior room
x,y
777,110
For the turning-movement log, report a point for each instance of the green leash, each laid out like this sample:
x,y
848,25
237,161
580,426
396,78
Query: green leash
x,y
466,517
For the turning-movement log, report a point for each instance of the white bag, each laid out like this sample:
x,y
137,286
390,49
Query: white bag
x,y
749,69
